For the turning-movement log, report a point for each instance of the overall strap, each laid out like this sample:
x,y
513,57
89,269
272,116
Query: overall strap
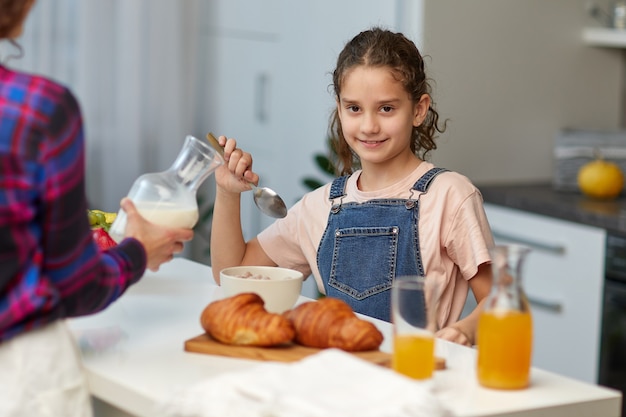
x,y
338,187
425,180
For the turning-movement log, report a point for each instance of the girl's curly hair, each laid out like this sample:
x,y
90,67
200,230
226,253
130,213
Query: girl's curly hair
x,y
378,47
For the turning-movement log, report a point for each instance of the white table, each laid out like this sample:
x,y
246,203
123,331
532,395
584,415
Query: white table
x,y
133,355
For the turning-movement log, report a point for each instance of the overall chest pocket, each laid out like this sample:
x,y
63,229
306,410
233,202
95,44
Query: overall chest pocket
x,y
364,260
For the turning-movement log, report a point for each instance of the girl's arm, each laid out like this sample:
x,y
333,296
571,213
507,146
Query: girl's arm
x,y
464,331
228,247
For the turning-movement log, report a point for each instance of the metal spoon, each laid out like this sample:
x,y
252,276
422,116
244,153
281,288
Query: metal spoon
x,y
266,199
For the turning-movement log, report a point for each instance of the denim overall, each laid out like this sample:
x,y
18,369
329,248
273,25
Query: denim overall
x,y
365,245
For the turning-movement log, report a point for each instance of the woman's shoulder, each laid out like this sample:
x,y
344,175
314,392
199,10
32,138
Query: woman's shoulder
x,y
33,89
25,79
47,112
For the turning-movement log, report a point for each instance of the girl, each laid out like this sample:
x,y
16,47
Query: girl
x,y
390,213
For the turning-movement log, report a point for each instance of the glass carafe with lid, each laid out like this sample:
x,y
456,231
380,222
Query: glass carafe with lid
x,y
504,335
168,198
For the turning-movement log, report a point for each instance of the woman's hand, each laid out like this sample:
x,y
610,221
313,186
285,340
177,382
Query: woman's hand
x,y
236,174
160,243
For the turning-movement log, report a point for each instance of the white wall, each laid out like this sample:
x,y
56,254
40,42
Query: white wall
x,y
509,75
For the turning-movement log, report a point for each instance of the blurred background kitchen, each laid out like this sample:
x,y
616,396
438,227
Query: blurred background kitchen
x,y
509,76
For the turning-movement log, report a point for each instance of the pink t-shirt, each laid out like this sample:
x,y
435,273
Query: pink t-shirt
x,y
453,229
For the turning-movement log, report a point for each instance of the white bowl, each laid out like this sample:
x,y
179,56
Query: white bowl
x,y
280,292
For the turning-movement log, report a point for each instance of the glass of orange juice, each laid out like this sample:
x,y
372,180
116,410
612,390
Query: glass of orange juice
x,y
414,325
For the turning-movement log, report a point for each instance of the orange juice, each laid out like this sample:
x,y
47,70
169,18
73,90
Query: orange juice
x,y
504,349
414,355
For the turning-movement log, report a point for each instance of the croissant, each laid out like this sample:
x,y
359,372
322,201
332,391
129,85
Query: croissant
x,y
243,320
331,323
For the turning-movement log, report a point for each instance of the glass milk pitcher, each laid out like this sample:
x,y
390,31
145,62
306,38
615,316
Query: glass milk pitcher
x,y
505,333
168,198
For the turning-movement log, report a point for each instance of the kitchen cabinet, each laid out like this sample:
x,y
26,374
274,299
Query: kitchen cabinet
x,y
563,277
240,107
239,84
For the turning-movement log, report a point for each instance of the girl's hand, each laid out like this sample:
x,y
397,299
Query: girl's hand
x,y
454,334
236,174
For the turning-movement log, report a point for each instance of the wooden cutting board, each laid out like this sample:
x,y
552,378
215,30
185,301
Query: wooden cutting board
x,y
284,353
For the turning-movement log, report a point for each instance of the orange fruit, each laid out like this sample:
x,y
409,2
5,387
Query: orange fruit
x,y
600,179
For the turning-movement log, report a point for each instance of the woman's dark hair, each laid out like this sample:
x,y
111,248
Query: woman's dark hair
x,y
12,13
382,48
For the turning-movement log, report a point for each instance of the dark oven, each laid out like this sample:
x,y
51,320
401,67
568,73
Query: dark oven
x,y
612,370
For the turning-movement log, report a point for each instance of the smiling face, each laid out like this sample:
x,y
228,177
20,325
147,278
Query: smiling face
x,y
377,117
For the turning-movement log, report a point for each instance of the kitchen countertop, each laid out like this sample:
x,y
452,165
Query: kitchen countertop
x,y
134,358
542,198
